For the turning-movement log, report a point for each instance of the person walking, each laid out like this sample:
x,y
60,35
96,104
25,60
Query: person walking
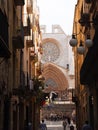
x,y
43,126
29,126
71,127
86,126
64,124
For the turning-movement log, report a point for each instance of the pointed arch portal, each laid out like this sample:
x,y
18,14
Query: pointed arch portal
x,y
54,78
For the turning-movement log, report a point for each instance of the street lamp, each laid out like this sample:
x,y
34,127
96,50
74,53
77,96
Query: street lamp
x,y
88,42
73,42
81,49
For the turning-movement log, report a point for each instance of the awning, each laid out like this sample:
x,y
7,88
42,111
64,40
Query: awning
x,y
89,69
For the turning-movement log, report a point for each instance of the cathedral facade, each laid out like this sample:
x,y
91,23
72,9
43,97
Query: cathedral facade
x,y
58,65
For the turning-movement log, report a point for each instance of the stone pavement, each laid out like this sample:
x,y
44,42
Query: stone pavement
x,y
57,125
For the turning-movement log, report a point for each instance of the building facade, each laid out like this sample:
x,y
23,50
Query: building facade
x,y
85,27
20,39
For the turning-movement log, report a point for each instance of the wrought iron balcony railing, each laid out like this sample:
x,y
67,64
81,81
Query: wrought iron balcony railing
x,y
27,31
29,43
18,39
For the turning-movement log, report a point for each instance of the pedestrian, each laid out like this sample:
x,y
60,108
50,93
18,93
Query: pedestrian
x,y
69,121
43,125
29,126
25,125
86,126
71,127
64,124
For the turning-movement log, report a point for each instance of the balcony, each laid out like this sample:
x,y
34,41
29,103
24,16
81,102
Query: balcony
x,y
23,91
27,31
19,2
84,20
29,43
29,9
34,58
18,39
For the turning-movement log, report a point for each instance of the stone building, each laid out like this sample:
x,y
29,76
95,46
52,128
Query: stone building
x,y
11,44
85,29
20,39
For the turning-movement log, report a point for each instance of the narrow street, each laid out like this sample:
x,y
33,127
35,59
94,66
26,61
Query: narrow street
x,y
48,64
56,125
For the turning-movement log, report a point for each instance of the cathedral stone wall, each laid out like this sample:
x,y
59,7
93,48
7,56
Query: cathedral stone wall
x,y
66,59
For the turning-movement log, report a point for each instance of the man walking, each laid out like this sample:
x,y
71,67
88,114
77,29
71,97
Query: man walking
x,y
86,126
43,126
64,124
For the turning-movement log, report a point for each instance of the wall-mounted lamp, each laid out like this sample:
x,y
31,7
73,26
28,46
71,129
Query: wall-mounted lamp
x,y
88,42
81,48
73,42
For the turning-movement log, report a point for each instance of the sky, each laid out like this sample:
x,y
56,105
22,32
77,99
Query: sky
x,y
60,12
